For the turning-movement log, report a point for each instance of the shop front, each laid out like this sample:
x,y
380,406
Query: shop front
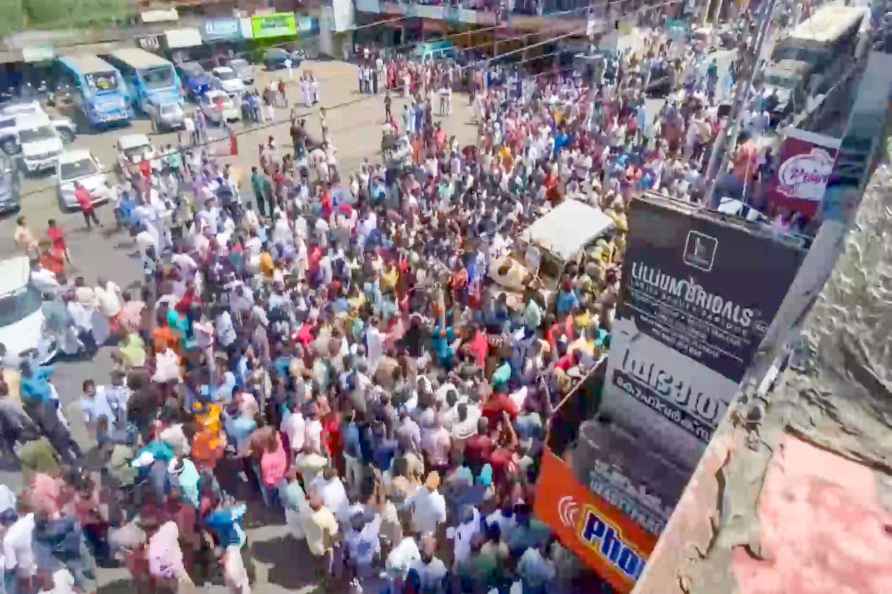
x,y
223,37
182,45
271,30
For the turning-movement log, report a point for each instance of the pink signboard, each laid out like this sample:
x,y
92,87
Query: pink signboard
x,y
805,161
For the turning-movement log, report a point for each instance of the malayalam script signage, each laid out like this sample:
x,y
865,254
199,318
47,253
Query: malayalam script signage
x,y
805,161
698,296
279,24
599,533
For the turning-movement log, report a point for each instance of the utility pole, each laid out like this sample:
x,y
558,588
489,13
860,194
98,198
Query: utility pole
x,y
715,166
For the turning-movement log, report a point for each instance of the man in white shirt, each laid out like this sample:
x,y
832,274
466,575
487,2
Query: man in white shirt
x,y
94,405
18,553
462,535
334,496
108,297
430,569
428,505
295,427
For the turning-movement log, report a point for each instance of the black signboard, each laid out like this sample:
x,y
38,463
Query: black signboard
x,y
705,287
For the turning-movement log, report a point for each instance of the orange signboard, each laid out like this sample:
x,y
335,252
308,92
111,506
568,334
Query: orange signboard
x,y
599,533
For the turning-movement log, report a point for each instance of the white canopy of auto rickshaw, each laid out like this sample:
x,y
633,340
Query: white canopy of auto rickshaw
x,y
568,228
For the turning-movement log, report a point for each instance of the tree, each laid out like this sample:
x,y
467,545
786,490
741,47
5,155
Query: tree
x,y
12,16
16,15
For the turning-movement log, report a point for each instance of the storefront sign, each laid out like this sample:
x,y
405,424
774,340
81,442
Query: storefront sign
x,y
221,30
805,161
600,534
279,24
698,296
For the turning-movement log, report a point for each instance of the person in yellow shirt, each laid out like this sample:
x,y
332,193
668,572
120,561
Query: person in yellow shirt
x,y
267,266
390,277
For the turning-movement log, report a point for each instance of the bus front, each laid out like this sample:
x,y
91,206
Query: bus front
x,y
160,85
105,99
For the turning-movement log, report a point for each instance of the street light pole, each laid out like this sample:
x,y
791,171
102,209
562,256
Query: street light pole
x,y
715,167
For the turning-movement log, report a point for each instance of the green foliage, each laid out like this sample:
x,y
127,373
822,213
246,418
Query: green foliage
x,y
12,16
70,13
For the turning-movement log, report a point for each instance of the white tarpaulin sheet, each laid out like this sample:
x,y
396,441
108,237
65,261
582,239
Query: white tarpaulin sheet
x,y
567,228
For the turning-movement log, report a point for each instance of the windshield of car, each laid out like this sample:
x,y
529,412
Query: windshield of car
x,y
221,101
18,305
37,134
226,74
781,82
103,81
76,169
277,54
169,109
158,77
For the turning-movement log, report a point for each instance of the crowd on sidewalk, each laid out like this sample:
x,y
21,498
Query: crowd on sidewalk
x,y
331,346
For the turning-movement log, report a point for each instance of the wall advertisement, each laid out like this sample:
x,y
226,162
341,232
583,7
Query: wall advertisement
x,y
805,161
279,24
599,533
698,296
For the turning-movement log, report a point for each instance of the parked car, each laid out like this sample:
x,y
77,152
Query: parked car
x,y
10,185
166,116
274,59
83,167
243,69
41,141
196,80
226,79
18,118
133,149
21,316
218,107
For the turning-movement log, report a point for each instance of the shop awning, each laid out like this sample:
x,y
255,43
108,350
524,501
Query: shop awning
x,y
180,38
160,16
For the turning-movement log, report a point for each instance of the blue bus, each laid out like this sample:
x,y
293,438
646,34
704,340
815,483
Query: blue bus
x,y
149,79
96,87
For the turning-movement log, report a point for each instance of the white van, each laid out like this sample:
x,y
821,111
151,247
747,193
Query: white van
x,y
21,317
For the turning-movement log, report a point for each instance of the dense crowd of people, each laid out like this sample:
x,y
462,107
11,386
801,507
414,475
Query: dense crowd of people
x,y
331,345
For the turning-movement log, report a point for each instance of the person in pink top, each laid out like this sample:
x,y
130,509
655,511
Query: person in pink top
x,y
273,465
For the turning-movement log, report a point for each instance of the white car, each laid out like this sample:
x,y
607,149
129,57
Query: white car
x,y
21,317
228,80
82,167
218,107
28,116
40,142
132,150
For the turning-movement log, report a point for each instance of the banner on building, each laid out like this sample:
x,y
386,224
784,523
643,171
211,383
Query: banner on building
x,y
597,532
804,163
279,24
222,29
699,293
